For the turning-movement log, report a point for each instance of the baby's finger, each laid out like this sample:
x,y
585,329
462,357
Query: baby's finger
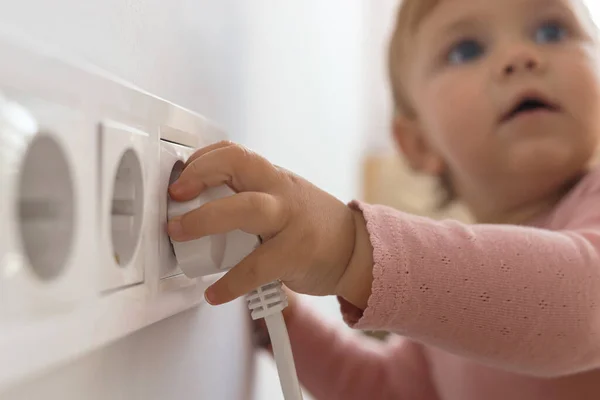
x,y
239,168
209,148
252,212
261,266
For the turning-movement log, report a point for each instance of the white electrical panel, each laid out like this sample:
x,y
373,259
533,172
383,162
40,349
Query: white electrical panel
x,y
85,162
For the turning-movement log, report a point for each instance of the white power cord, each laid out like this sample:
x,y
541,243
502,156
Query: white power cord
x,y
268,302
218,253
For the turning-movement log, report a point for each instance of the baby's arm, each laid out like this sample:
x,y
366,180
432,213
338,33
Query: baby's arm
x,y
333,364
518,298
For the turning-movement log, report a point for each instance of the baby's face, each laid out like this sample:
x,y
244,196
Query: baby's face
x,y
507,92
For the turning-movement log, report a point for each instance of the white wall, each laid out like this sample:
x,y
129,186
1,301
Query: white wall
x,y
199,354
380,17
283,78
187,51
594,8
304,94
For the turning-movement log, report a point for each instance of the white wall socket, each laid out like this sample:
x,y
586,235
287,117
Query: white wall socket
x,y
85,162
124,206
49,206
172,161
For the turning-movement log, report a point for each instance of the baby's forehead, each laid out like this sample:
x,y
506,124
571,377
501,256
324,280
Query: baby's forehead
x,y
448,11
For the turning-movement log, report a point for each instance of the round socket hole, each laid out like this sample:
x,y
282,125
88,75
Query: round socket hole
x,y
46,207
178,168
176,171
127,206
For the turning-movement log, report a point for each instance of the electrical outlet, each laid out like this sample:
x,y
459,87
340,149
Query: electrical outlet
x,y
48,207
123,205
83,206
172,161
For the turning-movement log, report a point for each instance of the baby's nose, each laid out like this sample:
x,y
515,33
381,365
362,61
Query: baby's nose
x,y
523,60
526,64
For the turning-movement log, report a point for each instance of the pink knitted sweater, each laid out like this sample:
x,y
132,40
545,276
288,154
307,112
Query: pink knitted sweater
x,y
483,312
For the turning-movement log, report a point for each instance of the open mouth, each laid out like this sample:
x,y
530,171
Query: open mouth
x,y
529,105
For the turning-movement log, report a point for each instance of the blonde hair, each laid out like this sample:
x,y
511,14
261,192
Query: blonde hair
x,y
410,14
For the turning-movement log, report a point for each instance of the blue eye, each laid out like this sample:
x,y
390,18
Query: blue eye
x,y
465,51
550,32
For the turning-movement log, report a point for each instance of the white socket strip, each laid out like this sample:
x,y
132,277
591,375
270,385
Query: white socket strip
x,y
85,161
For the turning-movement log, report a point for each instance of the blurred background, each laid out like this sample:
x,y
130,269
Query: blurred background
x,y
302,82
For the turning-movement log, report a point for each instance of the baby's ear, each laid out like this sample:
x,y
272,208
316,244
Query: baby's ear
x,y
414,145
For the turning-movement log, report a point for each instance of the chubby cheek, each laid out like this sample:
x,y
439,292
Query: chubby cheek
x,y
580,92
580,83
455,113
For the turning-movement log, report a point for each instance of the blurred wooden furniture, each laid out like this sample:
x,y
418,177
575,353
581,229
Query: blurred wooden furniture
x,y
387,180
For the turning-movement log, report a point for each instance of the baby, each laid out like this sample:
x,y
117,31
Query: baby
x,y
501,101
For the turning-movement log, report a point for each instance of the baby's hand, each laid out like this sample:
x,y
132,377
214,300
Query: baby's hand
x,y
308,235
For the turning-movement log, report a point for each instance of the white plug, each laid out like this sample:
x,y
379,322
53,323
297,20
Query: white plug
x,y
219,253
210,254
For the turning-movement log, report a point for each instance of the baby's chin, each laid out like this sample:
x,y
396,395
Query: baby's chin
x,y
549,159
